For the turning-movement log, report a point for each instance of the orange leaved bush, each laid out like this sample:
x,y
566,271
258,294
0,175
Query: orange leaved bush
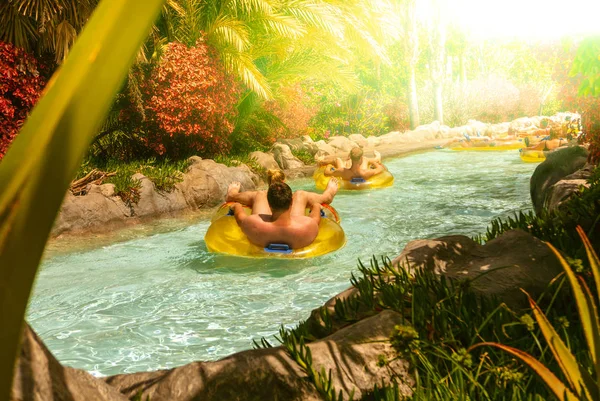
x,y
190,102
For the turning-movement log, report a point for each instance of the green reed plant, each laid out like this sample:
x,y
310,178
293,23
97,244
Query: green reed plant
x,y
582,380
43,159
444,318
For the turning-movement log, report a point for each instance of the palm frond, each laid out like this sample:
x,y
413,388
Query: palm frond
x,y
282,25
319,15
229,31
243,66
37,8
64,37
15,27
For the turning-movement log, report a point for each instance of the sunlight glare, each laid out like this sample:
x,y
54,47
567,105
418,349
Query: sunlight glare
x,y
525,19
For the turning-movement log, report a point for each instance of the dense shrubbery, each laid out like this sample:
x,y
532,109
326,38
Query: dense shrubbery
x,y
364,112
190,102
20,87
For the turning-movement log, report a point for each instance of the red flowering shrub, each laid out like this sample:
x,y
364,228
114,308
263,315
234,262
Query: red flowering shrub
x,y
190,102
20,87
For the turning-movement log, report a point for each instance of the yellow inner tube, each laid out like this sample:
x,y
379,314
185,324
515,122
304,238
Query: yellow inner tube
x,y
225,236
533,156
381,180
508,146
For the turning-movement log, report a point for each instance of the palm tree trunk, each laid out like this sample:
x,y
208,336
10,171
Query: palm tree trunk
x,y
413,103
439,110
411,50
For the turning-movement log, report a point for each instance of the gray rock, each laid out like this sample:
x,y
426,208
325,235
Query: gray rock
x,y
204,185
523,261
40,377
265,160
284,157
341,143
359,139
295,144
351,354
325,149
558,165
84,213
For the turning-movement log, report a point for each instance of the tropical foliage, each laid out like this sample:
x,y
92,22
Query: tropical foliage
x,y
44,26
580,383
189,102
20,87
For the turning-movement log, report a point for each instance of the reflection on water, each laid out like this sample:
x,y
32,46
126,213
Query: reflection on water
x,y
160,300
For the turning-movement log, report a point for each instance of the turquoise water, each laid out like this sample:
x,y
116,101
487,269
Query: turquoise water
x,y
162,300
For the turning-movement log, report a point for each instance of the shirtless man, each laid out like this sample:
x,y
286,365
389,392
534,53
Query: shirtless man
x,y
278,216
356,169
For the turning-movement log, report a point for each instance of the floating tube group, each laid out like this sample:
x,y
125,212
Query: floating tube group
x,y
507,146
225,236
381,180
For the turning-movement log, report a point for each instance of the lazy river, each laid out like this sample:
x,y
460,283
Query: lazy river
x,y
162,300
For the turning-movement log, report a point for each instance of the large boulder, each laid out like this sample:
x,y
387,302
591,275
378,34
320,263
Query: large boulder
x,y
373,141
99,208
204,185
265,160
562,190
391,138
351,354
342,144
324,149
205,182
40,377
521,260
284,157
295,144
558,164
359,139
429,131
153,202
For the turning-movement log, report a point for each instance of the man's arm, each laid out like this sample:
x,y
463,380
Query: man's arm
x,y
331,171
239,213
371,172
315,212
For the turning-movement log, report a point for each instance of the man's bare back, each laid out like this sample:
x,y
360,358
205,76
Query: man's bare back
x,y
355,171
290,226
260,230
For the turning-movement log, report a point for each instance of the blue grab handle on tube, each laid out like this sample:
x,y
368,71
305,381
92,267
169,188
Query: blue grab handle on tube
x,y
357,180
278,248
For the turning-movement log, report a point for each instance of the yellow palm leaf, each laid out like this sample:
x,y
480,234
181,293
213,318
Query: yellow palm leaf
x,y
37,169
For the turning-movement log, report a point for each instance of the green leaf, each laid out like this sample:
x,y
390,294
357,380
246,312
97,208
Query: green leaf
x,y
567,362
589,319
37,170
561,391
